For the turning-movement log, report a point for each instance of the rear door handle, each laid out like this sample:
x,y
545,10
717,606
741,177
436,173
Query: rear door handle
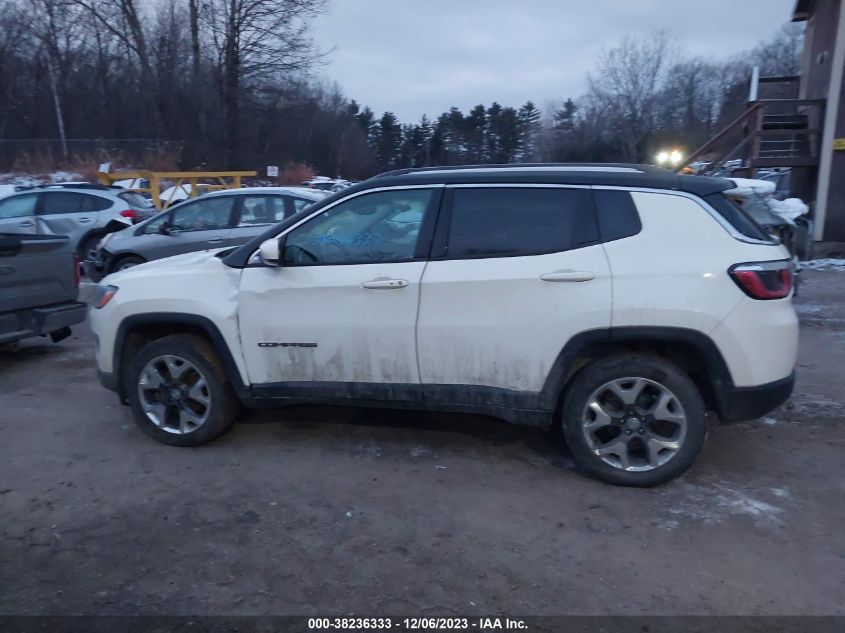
x,y
568,275
218,240
27,223
83,220
384,284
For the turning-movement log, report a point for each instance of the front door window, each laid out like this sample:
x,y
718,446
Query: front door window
x,y
372,228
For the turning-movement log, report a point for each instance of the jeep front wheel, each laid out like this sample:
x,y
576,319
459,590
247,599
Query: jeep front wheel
x,y
634,421
178,391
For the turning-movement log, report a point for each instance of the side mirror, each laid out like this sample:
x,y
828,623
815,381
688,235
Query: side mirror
x,y
271,252
164,228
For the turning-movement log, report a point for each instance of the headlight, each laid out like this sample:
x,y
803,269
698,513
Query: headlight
x,y
103,296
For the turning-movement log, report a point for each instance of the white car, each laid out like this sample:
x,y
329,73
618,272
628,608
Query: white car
x,y
620,302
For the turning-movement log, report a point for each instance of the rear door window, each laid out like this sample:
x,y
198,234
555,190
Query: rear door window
x,y
62,202
616,213
97,203
257,210
517,221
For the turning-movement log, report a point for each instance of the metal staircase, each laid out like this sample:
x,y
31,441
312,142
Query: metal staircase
x,y
773,133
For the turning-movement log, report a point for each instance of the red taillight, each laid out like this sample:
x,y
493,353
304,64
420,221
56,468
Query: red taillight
x,y
76,270
131,214
764,280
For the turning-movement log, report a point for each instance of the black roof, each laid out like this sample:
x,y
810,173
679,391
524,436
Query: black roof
x,y
608,174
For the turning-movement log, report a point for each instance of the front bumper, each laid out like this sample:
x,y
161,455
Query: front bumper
x,y
747,403
16,326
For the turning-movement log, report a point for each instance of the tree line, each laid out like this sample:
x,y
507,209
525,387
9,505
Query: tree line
x,y
233,84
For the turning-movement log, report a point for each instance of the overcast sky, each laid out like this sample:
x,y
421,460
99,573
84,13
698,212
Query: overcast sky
x,y
416,57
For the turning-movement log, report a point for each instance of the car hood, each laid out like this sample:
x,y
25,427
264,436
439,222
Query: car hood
x,y
186,263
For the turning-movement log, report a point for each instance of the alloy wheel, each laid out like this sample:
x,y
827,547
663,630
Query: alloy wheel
x,y
174,394
634,424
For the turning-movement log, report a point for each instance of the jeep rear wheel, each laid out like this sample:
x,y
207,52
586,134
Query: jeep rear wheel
x,y
178,391
634,421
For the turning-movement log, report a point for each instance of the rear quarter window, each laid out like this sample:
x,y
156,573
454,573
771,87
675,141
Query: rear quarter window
x,y
734,215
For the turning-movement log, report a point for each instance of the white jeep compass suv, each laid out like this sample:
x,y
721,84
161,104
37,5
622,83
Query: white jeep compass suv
x,y
621,302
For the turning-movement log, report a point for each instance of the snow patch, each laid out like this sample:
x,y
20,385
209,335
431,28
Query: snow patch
x,y
746,187
824,264
788,209
816,406
9,181
420,451
715,503
738,502
64,176
770,421
808,308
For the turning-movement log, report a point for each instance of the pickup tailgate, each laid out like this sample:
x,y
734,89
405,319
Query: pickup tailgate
x,y
36,270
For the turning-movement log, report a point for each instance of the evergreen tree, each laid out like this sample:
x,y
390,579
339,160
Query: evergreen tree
x,y
475,133
427,134
564,119
563,131
510,136
366,119
388,140
494,112
414,145
529,121
457,143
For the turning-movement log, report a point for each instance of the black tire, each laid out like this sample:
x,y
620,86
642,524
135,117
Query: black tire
x,y
127,262
653,369
223,406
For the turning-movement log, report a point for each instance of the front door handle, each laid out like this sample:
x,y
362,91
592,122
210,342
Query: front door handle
x,y
218,240
384,284
568,275
83,220
26,224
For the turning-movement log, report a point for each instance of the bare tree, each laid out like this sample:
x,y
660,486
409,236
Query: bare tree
x,y
194,16
690,99
627,83
123,20
15,26
253,40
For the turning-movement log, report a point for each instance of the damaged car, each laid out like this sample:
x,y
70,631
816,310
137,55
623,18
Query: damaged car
x,y
85,213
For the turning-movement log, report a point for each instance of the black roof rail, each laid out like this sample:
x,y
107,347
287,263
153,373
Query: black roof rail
x,y
647,169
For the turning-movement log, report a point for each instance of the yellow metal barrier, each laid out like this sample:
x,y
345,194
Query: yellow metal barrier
x,y
219,180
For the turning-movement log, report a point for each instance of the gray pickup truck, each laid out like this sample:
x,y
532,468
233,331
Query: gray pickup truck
x,y
39,284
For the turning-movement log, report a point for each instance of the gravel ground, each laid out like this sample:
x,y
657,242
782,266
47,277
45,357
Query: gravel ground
x,y
335,511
